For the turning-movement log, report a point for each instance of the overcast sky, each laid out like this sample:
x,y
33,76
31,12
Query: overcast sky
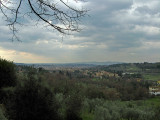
x,y
116,30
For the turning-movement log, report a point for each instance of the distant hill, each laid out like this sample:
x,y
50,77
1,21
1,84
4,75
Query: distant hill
x,y
70,64
102,63
53,66
67,65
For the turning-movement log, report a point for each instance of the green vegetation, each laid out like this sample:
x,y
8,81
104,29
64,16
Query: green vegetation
x,y
7,73
152,101
153,77
99,93
122,110
2,113
147,71
33,101
87,116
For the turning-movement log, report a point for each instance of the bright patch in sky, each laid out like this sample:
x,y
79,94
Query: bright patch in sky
x,y
22,57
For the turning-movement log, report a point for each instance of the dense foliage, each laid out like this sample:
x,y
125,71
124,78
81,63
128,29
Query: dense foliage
x,y
33,101
67,95
7,73
2,116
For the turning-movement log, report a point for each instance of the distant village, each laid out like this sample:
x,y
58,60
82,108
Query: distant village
x,y
89,70
155,90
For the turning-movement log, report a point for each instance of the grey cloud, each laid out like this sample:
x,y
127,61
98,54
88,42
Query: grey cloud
x,y
111,32
147,10
109,5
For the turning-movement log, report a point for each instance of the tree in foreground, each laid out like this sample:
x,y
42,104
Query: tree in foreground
x,y
33,101
57,14
7,73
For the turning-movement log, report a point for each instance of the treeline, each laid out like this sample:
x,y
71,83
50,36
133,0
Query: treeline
x,y
27,96
132,67
35,94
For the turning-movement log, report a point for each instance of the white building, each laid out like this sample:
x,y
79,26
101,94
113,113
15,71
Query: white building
x,y
154,90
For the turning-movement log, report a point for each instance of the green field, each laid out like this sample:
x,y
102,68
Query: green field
x,y
153,77
153,101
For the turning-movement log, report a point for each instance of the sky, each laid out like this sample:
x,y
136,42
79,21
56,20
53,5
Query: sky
x,y
113,30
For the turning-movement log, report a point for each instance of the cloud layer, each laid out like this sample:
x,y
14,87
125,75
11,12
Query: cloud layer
x,y
116,30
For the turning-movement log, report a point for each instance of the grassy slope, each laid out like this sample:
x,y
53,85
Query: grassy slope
x,y
153,77
151,102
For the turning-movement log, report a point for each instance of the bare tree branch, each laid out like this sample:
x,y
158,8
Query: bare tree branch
x,y
64,19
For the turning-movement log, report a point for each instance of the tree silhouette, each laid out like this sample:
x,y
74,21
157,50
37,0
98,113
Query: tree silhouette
x,y
7,73
33,101
57,14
